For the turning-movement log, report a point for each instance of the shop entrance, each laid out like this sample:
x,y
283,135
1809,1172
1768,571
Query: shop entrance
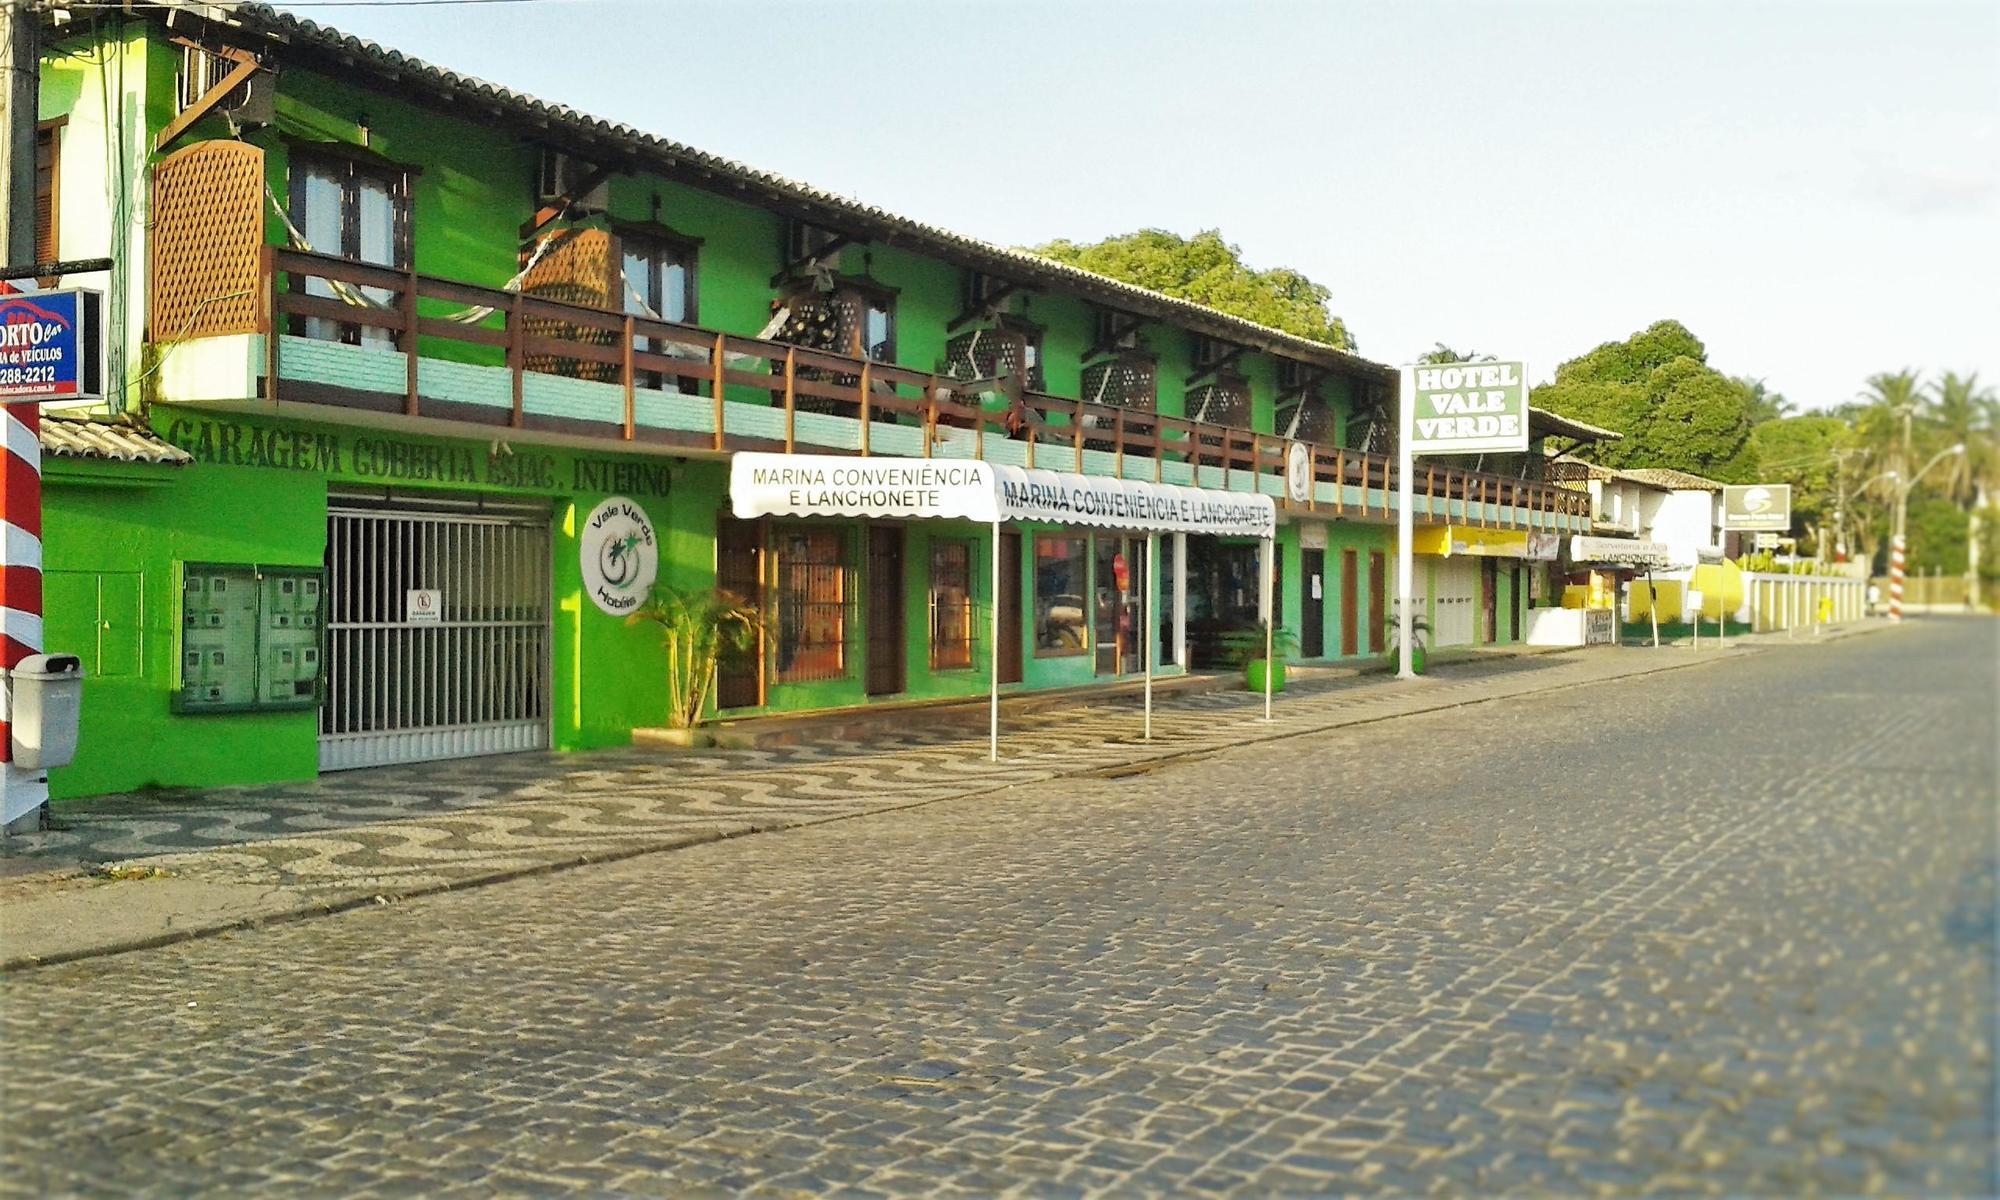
x,y
1010,607
1121,589
1350,643
437,637
1489,600
1222,595
885,610
1312,619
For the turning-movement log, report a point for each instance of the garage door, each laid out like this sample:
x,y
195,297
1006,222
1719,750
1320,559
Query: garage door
x,y
1457,601
438,631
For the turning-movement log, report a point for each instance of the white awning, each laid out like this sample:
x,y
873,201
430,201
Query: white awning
x,y
828,485
1629,553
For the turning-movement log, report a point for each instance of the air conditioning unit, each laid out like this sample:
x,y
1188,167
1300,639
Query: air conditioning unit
x,y
561,174
249,103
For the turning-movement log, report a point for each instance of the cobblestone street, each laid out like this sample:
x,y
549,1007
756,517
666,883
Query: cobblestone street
x,y
1725,929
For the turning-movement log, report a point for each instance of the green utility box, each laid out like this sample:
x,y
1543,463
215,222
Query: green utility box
x,y
250,637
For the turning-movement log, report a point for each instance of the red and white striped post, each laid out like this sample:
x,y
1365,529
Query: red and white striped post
x,y
1896,578
22,793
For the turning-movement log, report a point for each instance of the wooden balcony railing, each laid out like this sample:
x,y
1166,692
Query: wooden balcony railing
x,y
527,336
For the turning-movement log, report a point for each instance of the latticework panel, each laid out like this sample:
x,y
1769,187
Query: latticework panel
x,y
986,354
208,228
1308,419
1121,382
824,321
1224,403
580,269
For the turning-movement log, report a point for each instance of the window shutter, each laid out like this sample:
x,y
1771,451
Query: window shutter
x,y
47,165
208,230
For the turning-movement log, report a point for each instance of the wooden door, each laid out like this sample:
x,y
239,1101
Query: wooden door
x,y
886,626
1350,628
1514,605
1312,620
739,571
1489,600
1378,602
1010,608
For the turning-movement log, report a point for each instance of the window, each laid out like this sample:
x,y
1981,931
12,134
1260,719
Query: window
x,y
813,590
358,210
878,327
951,604
1061,584
659,283
48,151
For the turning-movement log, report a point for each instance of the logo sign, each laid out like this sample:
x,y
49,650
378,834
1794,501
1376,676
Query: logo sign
x,y
620,555
423,606
51,346
1468,408
1757,507
1299,472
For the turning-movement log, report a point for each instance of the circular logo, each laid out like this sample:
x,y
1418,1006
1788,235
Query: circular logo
x,y
1756,500
1299,472
620,555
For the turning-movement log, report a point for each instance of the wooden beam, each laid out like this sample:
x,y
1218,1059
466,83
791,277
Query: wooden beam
x,y
987,308
238,75
840,242
1218,366
550,212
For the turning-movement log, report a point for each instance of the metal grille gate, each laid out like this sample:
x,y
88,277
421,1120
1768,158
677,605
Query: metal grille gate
x,y
473,680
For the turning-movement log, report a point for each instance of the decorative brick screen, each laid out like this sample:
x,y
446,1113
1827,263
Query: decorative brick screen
x,y
208,228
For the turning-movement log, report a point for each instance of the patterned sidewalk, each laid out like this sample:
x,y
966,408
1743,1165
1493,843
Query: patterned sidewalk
x,y
404,830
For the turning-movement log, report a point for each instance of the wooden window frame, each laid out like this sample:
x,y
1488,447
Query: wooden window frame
x,y
848,576
351,163
654,241
53,130
969,619
1031,335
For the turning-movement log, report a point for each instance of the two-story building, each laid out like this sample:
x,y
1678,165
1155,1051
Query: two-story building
x,y
435,378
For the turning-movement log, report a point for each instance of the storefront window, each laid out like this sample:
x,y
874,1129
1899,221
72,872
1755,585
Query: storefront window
x,y
951,604
1061,566
813,591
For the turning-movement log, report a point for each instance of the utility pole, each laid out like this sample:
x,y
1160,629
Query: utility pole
x,y
22,793
1898,547
21,63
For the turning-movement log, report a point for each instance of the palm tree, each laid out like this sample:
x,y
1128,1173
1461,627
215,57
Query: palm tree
x,y
1762,403
1965,414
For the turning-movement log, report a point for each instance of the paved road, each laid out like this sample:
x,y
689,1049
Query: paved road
x,y
1725,929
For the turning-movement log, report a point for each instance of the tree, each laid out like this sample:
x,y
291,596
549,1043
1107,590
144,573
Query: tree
x,y
1208,270
1765,405
1445,354
1964,414
1657,389
1807,452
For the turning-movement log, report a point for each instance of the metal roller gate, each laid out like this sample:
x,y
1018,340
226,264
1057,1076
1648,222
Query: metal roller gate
x,y
437,631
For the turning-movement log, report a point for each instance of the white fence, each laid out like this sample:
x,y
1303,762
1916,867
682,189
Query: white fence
x,y
1797,601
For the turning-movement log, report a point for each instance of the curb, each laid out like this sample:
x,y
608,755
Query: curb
x,y
1138,764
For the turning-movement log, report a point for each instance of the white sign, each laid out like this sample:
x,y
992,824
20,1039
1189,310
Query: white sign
x,y
1544,547
1624,552
620,555
1767,541
1600,627
826,485
1312,535
1468,408
423,606
1316,589
1299,472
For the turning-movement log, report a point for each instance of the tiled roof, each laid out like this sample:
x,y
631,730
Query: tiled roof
x,y
1541,420
286,33
1670,479
121,439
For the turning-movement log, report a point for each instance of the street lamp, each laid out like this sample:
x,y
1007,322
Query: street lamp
x,y
1897,542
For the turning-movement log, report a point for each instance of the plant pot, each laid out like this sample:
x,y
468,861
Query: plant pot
x,y
670,737
1253,675
1417,659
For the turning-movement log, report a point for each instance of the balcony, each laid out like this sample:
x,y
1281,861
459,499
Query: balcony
x,y
488,357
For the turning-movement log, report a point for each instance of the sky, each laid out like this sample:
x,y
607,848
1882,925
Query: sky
x,y
1812,188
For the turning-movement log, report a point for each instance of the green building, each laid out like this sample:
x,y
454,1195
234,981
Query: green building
x,y
421,381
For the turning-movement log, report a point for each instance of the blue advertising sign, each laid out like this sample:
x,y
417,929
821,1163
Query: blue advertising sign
x,y
51,345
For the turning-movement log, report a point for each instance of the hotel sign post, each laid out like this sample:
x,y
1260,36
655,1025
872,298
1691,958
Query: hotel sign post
x,y
1449,408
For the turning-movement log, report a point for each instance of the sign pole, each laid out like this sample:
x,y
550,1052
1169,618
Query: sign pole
x,y
1152,635
1653,606
1406,526
993,668
1270,607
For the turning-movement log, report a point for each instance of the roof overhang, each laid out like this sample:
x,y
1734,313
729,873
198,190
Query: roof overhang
x,y
1542,421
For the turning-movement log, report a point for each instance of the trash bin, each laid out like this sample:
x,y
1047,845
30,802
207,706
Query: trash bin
x,y
47,709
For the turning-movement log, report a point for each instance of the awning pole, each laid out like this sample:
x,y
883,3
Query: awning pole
x,y
1152,634
1405,526
1653,606
1270,607
993,673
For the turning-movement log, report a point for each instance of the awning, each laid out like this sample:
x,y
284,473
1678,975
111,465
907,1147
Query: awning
x,y
832,485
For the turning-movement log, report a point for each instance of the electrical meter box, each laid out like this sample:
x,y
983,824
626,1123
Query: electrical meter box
x,y
250,637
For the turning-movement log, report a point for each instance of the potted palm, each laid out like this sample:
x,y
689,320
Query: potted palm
x,y
1246,646
1420,632
697,627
